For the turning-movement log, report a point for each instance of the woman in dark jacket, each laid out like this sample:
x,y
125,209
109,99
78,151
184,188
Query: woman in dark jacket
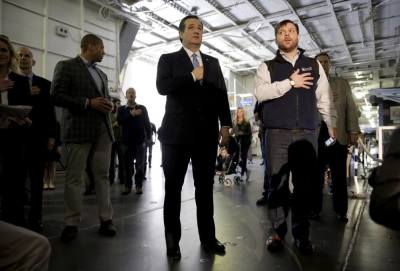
x,y
14,90
242,132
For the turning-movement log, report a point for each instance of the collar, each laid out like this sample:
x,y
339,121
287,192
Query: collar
x,y
87,63
283,56
30,76
190,53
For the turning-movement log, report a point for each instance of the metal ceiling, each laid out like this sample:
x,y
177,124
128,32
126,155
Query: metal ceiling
x,y
361,36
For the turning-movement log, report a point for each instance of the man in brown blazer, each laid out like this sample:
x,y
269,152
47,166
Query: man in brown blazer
x,y
336,155
80,88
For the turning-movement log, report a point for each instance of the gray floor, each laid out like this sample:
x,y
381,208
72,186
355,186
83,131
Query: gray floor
x,y
241,225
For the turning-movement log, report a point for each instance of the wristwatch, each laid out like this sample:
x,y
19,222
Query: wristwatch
x,y
292,83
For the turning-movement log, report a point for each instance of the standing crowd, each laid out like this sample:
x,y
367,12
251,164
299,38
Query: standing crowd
x,y
299,107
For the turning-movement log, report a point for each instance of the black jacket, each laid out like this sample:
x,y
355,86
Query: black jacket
x,y
384,206
135,130
194,110
42,115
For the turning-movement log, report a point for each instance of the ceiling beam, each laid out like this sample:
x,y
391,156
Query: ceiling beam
x,y
177,41
337,25
225,12
208,28
301,22
260,11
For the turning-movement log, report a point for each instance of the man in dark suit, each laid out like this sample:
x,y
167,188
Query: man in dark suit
x,y
136,130
41,135
196,104
80,88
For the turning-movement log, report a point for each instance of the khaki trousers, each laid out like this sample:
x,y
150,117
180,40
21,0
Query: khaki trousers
x,y
97,157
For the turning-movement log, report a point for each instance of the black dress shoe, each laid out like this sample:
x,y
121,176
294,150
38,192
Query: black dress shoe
x,y
214,247
174,253
262,201
69,233
89,192
126,192
304,246
139,190
313,215
107,228
342,218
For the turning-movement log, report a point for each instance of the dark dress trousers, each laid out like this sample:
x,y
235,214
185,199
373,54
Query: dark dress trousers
x,y
189,131
43,127
13,166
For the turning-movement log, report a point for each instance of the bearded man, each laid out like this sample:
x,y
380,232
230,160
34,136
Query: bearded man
x,y
292,90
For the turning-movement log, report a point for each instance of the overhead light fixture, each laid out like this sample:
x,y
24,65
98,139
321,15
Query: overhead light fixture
x,y
194,10
131,2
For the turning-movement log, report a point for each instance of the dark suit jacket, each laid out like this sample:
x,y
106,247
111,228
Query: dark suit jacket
x,y
193,109
42,114
384,207
72,85
135,130
19,94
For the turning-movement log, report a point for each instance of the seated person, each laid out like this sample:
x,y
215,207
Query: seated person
x,y
22,249
384,206
223,159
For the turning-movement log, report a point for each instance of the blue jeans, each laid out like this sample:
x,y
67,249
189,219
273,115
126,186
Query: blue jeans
x,y
291,151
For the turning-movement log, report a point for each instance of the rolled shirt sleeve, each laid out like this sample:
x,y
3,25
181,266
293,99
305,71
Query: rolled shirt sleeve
x,y
325,104
264,89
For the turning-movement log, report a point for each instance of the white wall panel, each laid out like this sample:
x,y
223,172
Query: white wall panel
x,y
110,47
108,61
52,60
67,11
38,57
23,21
110,75
99,30
92,15
33,5
27,31
68,46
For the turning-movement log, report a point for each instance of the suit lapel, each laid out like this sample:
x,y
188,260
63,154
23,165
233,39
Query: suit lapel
x,y
206,65
103,81
188,65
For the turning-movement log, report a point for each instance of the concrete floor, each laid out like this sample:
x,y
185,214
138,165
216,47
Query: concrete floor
x,y
240,224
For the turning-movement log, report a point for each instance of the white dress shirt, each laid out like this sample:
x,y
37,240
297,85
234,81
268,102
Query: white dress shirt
x,y
266,90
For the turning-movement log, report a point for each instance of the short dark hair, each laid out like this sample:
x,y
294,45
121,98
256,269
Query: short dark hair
x,y
283,23
90,39
323,54
183,21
